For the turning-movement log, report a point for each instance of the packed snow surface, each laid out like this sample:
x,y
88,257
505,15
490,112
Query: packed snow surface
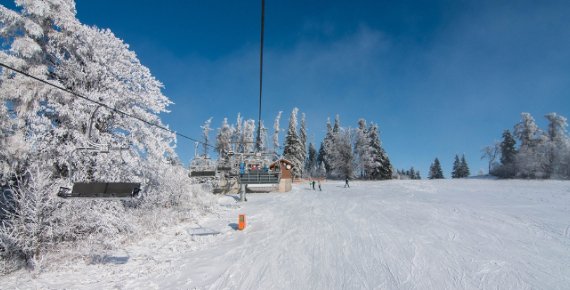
x,y
445,234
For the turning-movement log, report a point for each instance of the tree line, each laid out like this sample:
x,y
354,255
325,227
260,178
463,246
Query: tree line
x,y
540,154
343,152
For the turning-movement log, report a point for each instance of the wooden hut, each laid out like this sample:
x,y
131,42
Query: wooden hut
x,y
286,168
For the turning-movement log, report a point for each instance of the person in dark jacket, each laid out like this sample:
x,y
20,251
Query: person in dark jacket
x,y
346,183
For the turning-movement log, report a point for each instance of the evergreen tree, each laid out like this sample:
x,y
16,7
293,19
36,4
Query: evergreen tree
x,y
206,135
262,142
363,150
237,138
248,136
311,162
456,172
327,147
293,149
464,167
526,130
380,167
276,130
435,171
336,127
508,154
342,161
530,161
558,149
508,150
303,138
223,140
321,154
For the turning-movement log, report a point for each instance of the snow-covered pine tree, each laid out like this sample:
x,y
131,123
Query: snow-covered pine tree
x,y
237,138
321,154
248,135
336,127
321,170
293,149
276,130
311,162
531,160
224,138
363,150
206,128
327,146
303,140
381,167
464,172
342,158
559,146
526,130
435,171
456,171
262,142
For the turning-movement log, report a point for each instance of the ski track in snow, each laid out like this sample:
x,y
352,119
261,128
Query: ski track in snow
x,y
444,234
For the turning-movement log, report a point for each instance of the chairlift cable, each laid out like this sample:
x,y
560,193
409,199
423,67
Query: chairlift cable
x,y
258,143
100,103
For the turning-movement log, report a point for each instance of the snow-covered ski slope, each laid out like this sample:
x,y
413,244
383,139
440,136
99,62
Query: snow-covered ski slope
x,y
445,234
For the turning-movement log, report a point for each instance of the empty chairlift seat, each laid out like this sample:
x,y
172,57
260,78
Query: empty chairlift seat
x,y
260,177
101,190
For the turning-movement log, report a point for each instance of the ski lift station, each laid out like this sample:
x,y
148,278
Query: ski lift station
x,y
243,172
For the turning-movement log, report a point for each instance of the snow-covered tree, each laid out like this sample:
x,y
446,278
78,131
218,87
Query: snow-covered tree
x,y
224,138
363,150
237,138
342,157
558,146
321,170
262,142
491,153
303,138
276,130
380,167
45,39
206,128
531,160
41,126
435,171
526,130
508,154
327,147
248,135
293,149
311,161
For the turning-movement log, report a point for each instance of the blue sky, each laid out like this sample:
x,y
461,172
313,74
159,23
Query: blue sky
x,y
439,77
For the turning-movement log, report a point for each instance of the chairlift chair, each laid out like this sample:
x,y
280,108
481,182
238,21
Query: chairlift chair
x,y
102,189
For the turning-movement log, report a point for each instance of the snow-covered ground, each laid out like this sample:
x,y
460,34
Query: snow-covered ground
x,y
445,234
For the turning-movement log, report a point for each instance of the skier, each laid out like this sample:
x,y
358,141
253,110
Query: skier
x,y
313,184
346,183
320,186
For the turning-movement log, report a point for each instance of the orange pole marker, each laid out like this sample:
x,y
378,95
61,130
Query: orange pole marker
x,y
241,223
